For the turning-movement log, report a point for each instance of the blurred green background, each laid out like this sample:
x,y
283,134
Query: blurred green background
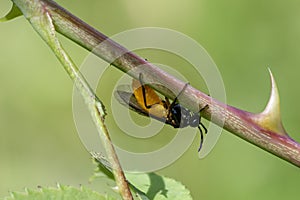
x,y
39,144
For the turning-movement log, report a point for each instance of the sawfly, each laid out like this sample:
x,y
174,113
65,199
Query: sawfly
x,y
145,101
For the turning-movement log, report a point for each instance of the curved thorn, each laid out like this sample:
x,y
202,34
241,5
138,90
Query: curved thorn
x,y
270,118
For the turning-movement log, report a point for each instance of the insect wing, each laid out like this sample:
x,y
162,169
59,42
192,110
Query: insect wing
x,y
128,99
150,95
153,104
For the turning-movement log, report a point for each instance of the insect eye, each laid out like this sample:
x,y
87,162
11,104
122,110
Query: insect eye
x,y
195,120
176,110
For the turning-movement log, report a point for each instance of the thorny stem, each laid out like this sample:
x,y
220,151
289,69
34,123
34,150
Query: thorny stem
x,y
238,122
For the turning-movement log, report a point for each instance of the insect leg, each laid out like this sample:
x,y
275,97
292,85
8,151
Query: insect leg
x,y
201,109
176,98
144,91
167,102
201,137
202,125
199,127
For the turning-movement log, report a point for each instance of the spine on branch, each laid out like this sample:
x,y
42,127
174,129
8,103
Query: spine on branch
x,y
264,129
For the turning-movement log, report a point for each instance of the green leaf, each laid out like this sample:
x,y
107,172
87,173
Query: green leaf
x,y
159,187
145,186
13,13
59,193
103,168
103,171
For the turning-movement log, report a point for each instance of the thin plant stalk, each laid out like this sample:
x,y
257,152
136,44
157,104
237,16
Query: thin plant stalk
x,y
41,21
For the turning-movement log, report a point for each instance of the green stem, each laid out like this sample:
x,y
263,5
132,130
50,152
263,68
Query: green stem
x,y
39,17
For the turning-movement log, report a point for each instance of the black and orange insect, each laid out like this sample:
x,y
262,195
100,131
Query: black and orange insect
x,y
145,101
